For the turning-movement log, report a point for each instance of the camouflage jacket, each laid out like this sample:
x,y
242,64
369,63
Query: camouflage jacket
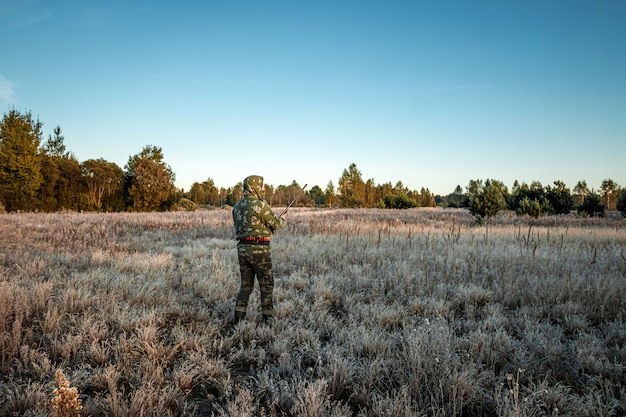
x,y
253,216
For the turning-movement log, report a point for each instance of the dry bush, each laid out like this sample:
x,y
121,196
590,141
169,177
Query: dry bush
x,y
66,402
380,313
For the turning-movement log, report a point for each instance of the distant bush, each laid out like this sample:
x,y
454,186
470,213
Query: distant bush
x,y
186,205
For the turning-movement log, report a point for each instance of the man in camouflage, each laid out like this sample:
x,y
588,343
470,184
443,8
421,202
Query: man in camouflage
x,y
254,223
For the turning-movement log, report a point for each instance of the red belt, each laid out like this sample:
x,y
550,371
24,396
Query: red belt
x,y
255,240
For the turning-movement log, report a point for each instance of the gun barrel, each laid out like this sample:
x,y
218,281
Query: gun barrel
x,y
294,199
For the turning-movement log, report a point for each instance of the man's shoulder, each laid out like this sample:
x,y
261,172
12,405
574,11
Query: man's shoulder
x,y
247,202
241,201
252,201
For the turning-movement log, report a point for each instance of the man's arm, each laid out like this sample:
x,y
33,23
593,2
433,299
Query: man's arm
x,y
271,220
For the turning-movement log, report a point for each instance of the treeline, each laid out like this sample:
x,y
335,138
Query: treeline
x,y
42,175
352,191
38,175
486,199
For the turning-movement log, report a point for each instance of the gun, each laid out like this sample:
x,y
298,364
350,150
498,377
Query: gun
x,y
294,200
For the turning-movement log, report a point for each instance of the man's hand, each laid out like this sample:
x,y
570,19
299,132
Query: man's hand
x,y
284,215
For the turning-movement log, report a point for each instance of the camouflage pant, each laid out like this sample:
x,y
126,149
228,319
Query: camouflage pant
x,y
254,262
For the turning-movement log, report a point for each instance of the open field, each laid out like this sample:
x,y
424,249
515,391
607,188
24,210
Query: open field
x,y
379,313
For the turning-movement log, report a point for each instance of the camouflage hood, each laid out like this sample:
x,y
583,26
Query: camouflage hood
x,y
253,186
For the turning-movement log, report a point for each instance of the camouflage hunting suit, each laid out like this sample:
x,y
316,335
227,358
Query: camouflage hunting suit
x,y
254,218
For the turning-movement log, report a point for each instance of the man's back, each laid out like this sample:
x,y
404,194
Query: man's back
x,y
252,216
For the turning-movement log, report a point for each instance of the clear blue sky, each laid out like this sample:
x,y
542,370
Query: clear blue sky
x,y
430,93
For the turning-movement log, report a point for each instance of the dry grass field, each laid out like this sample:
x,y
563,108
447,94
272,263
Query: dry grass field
x,y
379,313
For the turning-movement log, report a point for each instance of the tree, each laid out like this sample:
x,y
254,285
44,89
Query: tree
x,y
330,194
516,186
154,153
102,179
426,198
474,187
50,152
486,200
609,193
205,193
580,192
352,187
212,192
289,192
282,195
69,188
398,196
61,186
370,191
528,207
268,193
318,196
455,199
20,163
197,194
234,194
149,184
55,145
529,200
50,175
560,198
382,191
